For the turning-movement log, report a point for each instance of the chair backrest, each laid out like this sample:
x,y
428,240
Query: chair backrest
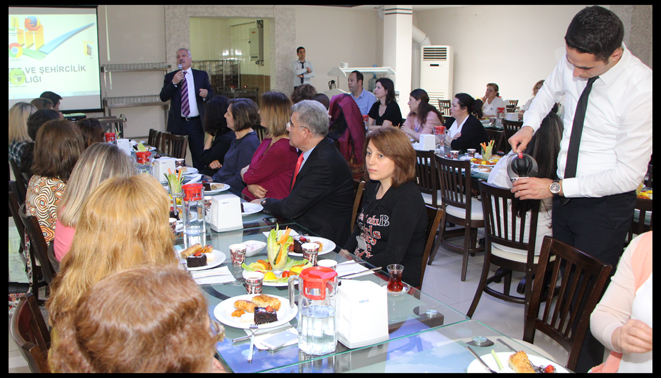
x,y
14,207
648,177
444,106
434,216
38,246
152,140
511,127
357,201
51,257
174,145
29,331
497,137
513,102
20,180
567,318
260,131
455,183
426,176
644,206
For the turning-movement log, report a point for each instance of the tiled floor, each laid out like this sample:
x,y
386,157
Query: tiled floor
x,y
442,281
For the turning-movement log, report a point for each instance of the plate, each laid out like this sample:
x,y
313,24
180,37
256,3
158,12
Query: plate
x,y
219,258
253,247
223,313
477,367
251,208
223,188
329,246
405,290
190,171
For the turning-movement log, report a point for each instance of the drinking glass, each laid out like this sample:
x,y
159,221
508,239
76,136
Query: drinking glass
x,y
395,283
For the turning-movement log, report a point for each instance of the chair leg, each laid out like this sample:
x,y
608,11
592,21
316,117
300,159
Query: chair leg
x,y
508,283
441,231
480,286
464,264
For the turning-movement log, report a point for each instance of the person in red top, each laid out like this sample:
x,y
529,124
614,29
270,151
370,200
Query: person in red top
x,y
271,168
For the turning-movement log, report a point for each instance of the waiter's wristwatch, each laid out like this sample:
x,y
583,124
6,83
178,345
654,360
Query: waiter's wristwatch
x,y
555,187
263,202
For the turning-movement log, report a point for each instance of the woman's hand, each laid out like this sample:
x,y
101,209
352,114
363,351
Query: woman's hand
x,y
215,164
346,254
257,190
633,337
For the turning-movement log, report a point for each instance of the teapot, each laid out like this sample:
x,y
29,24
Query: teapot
x,y
316,309
521,165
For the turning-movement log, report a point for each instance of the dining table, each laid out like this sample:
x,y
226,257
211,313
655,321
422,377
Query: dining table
x,y
424,334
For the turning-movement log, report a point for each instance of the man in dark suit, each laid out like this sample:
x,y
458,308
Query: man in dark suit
x,y
321,198
187,89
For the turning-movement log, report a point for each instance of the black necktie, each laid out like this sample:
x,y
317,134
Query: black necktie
x,y
302,66
577,130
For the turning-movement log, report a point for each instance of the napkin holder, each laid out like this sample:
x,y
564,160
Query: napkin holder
x,y
427,142
161,166
362,314
226,213
125,145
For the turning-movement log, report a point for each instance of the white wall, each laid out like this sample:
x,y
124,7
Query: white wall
x,y
332,35
512,46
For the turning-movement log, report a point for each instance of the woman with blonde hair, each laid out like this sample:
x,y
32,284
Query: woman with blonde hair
x,y
123,325
272,165
99,162
18,130
123,223
390,227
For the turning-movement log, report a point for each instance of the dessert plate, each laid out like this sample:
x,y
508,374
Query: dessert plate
x,y
223,313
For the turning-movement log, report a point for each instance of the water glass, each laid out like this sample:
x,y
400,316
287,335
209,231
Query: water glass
x,y
173,224
454,154
470,152
254,281
310,252
327,263
395,283
238,254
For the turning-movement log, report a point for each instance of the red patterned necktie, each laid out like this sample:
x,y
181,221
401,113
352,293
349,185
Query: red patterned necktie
x,y
185,108
298,167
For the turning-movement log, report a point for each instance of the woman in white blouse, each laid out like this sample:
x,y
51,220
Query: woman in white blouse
x,y
492,101
535,89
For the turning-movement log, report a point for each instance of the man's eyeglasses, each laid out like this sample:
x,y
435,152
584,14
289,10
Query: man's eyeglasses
x,y
290,125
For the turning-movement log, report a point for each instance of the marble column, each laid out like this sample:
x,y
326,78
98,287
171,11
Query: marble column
x,y
397,49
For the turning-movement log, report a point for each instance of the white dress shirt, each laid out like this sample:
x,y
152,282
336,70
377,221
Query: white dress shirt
x,y
192,100
491,108
298,70
616,142
456,127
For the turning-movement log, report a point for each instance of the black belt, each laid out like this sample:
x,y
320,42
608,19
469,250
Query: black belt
x,y
188,118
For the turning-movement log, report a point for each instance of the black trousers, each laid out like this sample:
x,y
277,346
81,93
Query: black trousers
x,y
598,227
193,128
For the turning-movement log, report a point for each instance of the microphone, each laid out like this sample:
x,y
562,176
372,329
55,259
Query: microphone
x,y
179,66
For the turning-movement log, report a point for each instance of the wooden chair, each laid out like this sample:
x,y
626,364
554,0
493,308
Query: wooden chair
x,y
29,331
510,128
20,180
260,131
426,177
504,228
639,223
38,245
444,107
497,136
567,318
38,279
357,201
153,138
174,145
51,257
15,203
648,176
460,208
512,102
434,216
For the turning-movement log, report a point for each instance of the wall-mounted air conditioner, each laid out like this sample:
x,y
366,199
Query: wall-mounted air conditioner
x,y
436,72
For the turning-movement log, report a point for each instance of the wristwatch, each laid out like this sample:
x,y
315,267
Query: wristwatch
x,y
263,202
555,187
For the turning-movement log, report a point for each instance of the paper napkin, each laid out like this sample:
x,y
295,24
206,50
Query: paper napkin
x,y
351,268
212,276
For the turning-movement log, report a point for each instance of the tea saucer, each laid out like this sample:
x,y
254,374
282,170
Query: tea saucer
x,y
405,290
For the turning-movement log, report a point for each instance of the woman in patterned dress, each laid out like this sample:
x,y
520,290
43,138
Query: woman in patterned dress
x,y
58,146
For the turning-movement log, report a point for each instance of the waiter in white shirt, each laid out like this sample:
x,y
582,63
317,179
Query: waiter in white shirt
x,y
303,70
595,197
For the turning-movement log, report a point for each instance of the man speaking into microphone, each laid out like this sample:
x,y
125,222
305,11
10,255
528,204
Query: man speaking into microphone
x,y
187,89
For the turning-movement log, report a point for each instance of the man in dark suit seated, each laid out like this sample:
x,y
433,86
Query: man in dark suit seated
x,y
187,89
322,187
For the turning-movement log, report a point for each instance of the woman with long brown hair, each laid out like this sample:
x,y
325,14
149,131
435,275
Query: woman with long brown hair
x,y
272,165
390,227
423,116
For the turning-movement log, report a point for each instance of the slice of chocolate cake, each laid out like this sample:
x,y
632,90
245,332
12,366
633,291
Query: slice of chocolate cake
x,y
262,316
196,261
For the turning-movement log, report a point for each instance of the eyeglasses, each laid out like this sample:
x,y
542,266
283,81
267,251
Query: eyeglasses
x,y
290,125
217,330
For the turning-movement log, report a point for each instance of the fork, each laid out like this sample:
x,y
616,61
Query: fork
x,y
253,329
